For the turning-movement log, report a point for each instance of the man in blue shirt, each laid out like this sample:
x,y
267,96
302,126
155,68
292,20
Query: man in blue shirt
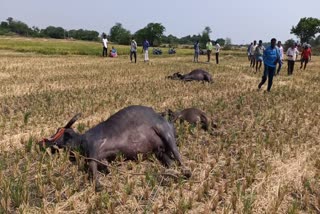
x,y
145,49
271,57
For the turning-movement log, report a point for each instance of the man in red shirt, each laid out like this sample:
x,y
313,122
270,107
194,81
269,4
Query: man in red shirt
x,y
305,56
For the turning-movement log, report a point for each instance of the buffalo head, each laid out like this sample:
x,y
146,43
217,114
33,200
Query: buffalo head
x,y
65,137
176,76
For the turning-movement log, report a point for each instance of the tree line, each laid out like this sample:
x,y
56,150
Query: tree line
x,y
154,32
12,26
307,30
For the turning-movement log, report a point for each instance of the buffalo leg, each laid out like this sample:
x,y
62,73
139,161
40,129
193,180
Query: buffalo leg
x,y
164,159
103,168
93,167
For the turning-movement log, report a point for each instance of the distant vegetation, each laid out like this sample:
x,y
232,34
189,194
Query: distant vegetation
x,y
307,30
12,26
154,32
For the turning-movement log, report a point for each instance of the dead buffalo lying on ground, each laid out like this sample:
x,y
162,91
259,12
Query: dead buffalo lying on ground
x,y
198,75
191,115
131,131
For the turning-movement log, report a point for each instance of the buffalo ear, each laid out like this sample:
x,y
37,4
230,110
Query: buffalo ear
x,y
73,120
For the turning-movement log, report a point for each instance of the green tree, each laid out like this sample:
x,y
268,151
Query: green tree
x,y
81,34
18,27
221,41
316,41
119,34
228,41
153,32
171,40
207,30
227,45
306,29
205,36
4,25
190,40
288,44
54,32
10,20
4,28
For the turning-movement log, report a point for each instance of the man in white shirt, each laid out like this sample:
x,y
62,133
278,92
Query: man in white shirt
x,y
105,45
258,55
217,52
252,50
292,55
133,50
281,57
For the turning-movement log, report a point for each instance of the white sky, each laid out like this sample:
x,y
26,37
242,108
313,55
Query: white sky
x,y
240,20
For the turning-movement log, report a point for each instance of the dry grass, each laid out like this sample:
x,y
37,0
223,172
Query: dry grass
x,y
262,159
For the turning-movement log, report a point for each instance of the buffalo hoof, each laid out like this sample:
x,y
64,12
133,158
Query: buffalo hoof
x,y
98,187
186,172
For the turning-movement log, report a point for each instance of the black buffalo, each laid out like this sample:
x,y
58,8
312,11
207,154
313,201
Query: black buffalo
x,y
131,131
197,74
191,115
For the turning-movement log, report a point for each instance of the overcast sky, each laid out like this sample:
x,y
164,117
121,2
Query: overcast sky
x,y
240,20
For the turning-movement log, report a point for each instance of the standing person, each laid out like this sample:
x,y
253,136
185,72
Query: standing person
x,y
258,53
281,56
252,49
196,47
133,50
105,45
248,51
146,46
217,52
305,56
209,49
271,57
292,54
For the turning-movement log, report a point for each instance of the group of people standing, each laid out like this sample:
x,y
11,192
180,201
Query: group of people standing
x,y
273,56
209,48
145,50
133,49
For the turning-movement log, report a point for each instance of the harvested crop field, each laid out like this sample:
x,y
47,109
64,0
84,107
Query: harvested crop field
x,y
261,158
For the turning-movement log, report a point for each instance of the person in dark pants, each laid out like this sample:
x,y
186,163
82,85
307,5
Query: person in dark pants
x,y
271,57
305,56
217,52
133,50
258,54
279,45
252,50
209,49
196,47
105,45
248,51
292,54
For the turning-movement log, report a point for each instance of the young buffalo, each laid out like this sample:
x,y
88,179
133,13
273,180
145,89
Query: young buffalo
x,y
191,115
